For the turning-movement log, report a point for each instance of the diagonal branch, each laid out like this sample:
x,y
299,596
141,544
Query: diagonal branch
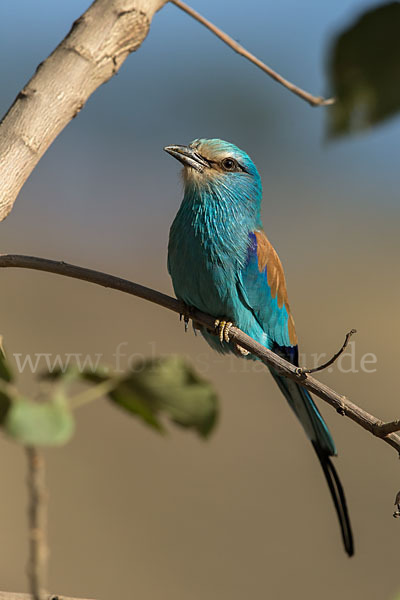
x,y
92,52
385,431
313,100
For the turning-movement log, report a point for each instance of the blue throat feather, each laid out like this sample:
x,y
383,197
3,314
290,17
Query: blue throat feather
x,y
222,263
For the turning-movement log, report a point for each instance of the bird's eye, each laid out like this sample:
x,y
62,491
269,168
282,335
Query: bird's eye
x,y
229,164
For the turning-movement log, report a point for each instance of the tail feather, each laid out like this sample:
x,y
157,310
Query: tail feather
x,y
318,433
338,497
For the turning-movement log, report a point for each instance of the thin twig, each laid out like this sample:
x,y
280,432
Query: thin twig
x,y
338,401
37,517
304,371
313,100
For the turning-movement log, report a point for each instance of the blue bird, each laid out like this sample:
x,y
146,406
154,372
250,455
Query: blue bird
x,y
221,263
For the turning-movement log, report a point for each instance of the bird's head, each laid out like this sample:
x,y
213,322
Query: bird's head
x,y
215,168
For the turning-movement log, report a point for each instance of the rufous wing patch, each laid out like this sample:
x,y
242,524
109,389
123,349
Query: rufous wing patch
x,y
268,259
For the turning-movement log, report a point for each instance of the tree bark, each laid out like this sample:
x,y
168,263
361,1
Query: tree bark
x,y
93,51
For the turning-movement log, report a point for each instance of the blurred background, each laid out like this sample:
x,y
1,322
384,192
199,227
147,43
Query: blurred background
x,y
247,513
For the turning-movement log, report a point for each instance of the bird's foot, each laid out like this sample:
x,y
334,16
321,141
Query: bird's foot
x,y
223,328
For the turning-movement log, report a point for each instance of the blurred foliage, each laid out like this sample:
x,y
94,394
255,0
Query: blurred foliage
x,y
155,388
165,386
364,71
48,423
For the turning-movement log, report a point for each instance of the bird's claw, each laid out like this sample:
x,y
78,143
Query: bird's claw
x,y
186,316
185,320
223,328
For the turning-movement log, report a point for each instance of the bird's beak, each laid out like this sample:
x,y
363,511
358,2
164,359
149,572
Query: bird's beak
x,y
188,157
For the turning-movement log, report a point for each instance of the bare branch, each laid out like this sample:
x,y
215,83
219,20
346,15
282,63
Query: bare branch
x,y
93,51
313,100
338,401
37,518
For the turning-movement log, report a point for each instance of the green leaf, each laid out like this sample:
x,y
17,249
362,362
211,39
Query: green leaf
x,y
40,424
5,369
133,398
364,71
170,387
